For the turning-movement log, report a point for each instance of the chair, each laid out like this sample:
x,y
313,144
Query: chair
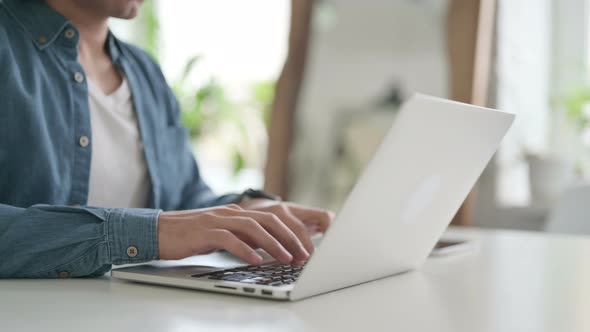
x,y
571,214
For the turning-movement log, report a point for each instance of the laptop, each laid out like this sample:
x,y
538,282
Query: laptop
x,y
402,203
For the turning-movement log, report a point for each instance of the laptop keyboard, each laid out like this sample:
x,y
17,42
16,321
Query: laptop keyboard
x,y
268,274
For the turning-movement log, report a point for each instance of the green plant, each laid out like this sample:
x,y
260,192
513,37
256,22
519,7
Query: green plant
x,y
206,108
262,97
149,24
201,108
574,103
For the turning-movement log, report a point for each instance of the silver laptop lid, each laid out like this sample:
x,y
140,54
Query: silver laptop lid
x,y
407,195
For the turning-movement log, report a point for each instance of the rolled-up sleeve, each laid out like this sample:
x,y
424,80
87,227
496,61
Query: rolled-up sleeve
x,y
45,241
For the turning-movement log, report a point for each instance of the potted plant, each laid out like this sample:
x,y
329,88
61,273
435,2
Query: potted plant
x,y
577,107
211,117
550,174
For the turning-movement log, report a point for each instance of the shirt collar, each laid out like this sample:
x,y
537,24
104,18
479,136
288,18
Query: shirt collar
x,y
113,47
39,20
44,24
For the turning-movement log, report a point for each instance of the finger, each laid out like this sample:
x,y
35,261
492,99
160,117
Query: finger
x,y
313,229
277,228
296,226
224,239
312,216
299,263
250,228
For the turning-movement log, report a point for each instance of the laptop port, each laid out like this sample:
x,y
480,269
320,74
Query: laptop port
x,y
249,289
225,287
266,292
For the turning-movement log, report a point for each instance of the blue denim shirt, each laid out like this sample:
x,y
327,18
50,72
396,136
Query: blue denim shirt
x,y
46,230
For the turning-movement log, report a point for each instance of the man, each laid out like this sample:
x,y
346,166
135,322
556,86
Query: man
x,y
87,120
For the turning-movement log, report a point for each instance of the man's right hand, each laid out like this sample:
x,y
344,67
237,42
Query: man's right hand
x,y
186,233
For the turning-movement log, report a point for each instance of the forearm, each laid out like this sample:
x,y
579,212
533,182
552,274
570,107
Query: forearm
x,y
45,241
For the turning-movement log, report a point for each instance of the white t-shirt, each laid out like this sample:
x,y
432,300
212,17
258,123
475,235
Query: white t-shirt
x,y
118,170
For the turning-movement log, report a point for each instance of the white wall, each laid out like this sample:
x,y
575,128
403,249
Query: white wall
x,y
371,45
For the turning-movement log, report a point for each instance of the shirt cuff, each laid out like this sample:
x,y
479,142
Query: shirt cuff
x,y
132,235
230,199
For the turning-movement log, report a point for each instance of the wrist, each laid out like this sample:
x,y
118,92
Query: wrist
x,y
256,195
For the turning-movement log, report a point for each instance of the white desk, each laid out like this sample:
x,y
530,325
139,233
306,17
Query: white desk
x,y
511,281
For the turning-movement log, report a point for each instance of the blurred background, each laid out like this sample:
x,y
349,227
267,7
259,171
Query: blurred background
x,y
295,95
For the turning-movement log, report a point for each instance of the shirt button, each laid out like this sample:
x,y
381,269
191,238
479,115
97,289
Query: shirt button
x,y
70,33
42,40
64,274
84,141
78,77
132,251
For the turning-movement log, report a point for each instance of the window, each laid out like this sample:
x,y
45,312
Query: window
x,y
541,55
241,46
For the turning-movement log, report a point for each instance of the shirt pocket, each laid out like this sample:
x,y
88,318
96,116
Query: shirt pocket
x,y
177,167
175,147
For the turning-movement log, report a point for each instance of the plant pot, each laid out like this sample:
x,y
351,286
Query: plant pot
x,y
548,178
